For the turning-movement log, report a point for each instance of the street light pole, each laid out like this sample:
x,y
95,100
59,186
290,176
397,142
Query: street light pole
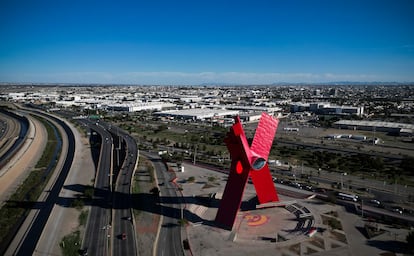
x,y
195,153
195,150
342,179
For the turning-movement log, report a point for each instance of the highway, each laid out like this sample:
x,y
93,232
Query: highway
x,y
10,146
123,219
169,240
111,215
9,131
98,231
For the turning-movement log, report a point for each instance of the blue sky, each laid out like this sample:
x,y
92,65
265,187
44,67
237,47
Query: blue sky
x,y
195,42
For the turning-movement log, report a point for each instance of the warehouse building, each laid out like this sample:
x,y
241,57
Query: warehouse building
x,y
197,114
135,107
326,109
389,127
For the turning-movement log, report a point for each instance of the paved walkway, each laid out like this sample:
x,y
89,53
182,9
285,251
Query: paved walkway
x,y
256,229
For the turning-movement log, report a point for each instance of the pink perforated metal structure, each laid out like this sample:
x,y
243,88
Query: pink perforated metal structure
x,y
247,160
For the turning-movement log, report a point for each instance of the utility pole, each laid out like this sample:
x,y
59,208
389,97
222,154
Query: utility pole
x,y
195,153
342,179
195,150
373,137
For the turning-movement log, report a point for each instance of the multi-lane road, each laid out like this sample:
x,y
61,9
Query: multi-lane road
x,y
12,135
169,239
110,227
98,231
124,242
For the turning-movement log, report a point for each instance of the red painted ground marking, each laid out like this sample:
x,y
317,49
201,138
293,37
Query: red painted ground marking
x,y
256,219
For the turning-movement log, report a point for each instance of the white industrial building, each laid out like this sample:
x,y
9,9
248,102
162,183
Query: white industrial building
x,y
135,107
198,114
326,108
268,109
394,128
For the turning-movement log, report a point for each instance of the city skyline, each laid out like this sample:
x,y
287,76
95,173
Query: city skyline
x,y
186,42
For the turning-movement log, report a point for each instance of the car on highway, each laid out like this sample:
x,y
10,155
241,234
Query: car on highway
x,y
345,196
123,236
375,202
397,209
308,187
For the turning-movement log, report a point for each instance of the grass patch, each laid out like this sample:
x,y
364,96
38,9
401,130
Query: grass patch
x,y
71,244
333,222
83,217
78,203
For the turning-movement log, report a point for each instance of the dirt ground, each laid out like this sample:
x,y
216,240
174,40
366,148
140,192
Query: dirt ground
x,y
22,163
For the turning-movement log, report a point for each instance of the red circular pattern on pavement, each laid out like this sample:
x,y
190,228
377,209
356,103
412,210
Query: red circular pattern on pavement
x,y
256,219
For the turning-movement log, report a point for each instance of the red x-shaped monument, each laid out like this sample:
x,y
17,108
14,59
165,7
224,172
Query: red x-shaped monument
x,y
247,160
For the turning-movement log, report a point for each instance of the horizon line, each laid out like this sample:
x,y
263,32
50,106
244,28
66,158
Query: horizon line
x,y
207,84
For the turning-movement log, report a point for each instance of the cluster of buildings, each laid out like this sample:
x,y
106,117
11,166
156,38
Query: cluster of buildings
x,y
217,105
325,108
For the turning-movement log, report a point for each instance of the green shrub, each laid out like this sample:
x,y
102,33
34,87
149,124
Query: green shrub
x,y
71,244
83,217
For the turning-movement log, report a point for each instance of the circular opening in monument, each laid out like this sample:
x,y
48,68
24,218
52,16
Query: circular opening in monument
x,y
258,163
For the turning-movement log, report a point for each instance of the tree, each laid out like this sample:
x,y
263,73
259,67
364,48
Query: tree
x,y
155,191
378,164
89,192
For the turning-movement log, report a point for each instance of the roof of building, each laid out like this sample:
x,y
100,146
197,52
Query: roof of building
x,y
375,124
199,113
